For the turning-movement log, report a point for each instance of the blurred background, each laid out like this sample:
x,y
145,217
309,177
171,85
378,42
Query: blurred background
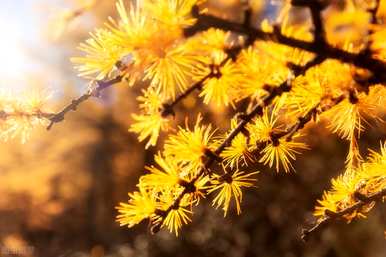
x,y
59,190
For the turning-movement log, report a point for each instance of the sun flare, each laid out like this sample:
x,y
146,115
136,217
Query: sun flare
x,y
12,55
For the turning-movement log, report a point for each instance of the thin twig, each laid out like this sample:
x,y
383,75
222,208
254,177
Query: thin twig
x,y
36,114
167,108
303,120
331,216
373,11
101,85
316,7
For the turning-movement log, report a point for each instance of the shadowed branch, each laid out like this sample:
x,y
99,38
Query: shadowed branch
x,y
331,216
320,48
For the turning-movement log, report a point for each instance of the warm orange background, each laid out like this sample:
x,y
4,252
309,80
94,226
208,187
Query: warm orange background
x,y
58,190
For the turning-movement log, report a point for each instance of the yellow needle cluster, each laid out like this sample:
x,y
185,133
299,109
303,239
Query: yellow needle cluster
x,y
146,41
368,179
326,83
19,115
180,166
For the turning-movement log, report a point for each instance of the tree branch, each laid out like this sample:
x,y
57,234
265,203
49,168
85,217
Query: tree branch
x,y
167,108
303,120
330,216
37,114
316,7
373,11
101,85
362,60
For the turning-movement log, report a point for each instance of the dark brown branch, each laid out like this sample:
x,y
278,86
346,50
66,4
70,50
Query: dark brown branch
x,y
300,70
331,216
247,23
256,111
303,120
316,7
167,108
232,53
373,11
362,60
101,85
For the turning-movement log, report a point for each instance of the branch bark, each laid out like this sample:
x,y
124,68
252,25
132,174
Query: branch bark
x,y
101,85
331,216
362,60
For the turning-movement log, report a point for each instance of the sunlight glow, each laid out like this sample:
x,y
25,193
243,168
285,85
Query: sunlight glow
x,y
13,58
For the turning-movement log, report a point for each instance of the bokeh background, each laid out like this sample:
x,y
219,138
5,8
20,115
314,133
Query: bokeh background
x,y
58,191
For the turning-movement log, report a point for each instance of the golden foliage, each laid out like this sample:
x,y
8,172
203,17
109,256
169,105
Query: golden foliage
x,y
19,114
188,146
277,78
367,179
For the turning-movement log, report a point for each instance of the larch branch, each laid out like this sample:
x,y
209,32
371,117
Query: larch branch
x,y
35,114
320,48
101,85
331,216
257,110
